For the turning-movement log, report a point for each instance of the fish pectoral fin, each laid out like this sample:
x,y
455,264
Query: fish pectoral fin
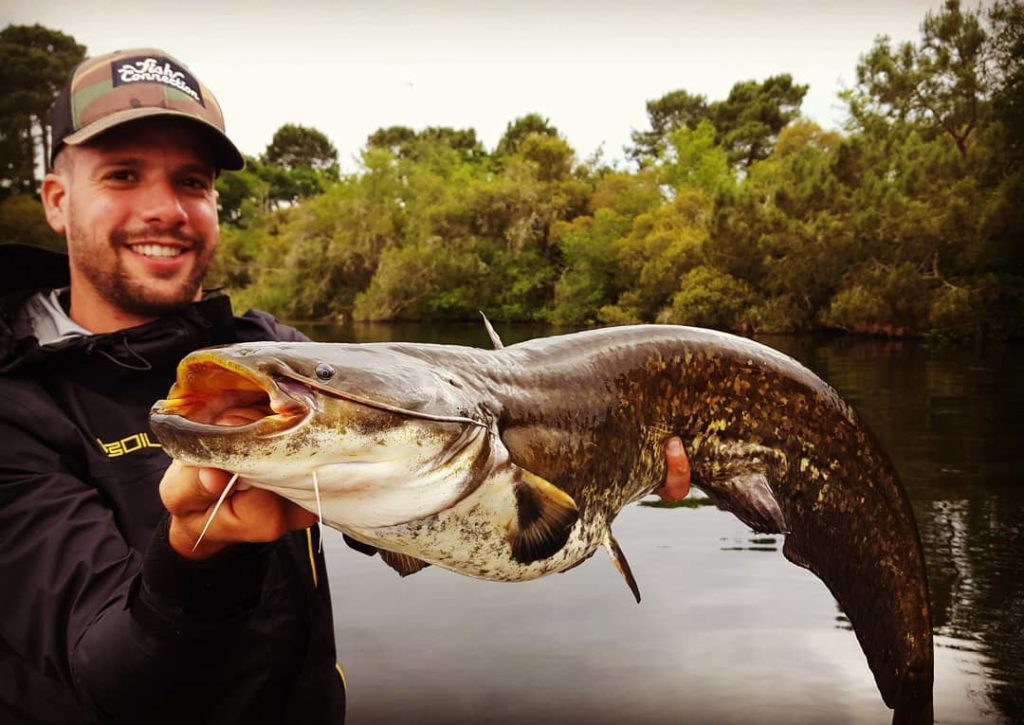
x,y
750,498
402,563
619,560
359,545
545,515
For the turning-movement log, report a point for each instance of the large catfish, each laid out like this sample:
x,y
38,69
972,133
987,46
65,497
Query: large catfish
x,y
510,464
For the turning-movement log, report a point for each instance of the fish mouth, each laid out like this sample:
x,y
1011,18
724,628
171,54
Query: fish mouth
x,y
216,396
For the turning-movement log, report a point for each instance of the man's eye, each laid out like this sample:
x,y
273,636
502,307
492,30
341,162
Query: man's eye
x,y
198,183
122,175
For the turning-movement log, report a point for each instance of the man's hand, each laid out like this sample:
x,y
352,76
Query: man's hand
x,y
252,515
677,472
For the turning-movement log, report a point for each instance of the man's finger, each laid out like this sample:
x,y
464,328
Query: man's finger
x,y
677,471
184,493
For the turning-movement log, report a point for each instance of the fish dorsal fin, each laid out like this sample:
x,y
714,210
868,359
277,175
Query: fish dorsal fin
x,y
495,340
545,515
403,564
619,560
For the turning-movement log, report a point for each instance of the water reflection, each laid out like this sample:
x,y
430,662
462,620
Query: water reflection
x,y
953,421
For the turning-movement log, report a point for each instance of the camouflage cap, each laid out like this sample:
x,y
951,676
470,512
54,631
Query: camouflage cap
x,y
127,85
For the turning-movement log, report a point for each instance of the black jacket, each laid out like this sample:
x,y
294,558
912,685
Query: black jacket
x,y
99,619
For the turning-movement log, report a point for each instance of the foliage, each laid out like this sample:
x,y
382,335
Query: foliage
x,y
1006,18
937,85
22,221
708,297
746,122
738,215
35,63
675,110
294,146
520,129
695,161
405,143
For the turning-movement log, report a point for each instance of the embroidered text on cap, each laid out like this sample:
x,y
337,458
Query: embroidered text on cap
x,y
150,69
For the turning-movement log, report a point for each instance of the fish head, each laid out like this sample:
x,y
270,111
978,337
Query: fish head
x,y
389,437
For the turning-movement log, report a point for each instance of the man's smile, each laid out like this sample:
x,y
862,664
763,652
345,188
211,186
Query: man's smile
x,y
157,251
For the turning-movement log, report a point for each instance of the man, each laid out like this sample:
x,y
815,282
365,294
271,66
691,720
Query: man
x,y
108,613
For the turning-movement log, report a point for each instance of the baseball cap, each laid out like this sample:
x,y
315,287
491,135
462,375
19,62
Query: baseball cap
x,y
127,85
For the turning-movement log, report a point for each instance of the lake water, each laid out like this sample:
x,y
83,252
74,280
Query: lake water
x,y
728,630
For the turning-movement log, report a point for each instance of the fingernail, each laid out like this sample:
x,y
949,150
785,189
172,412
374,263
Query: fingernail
x,y
208,479
675,446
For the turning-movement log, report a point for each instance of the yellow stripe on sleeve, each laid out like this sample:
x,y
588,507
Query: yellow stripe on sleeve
x,y
312,559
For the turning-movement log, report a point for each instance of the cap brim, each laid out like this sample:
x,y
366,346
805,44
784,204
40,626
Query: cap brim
x,y
226,154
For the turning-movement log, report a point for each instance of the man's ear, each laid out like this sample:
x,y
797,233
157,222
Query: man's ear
x,y
54,193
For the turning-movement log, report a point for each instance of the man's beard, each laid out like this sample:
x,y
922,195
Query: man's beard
x,y
131,295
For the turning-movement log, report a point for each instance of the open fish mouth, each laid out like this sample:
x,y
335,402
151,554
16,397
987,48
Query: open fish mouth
x,y
216,396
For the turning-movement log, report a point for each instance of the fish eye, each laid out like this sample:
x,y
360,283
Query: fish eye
x,y
324,371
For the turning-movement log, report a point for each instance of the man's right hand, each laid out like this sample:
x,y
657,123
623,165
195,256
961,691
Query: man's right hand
x,y
253,515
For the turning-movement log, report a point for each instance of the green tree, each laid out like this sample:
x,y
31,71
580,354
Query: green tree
x,y
674,110
661,246
747,121
294,146
35,63
1007,40
938,84
750,119
518,130
243,195
708,297
695,161
22,220
405,143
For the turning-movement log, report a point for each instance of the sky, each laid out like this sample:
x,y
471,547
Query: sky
x,y
588,66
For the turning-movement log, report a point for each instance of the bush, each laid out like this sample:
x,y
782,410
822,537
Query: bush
x,y
708,297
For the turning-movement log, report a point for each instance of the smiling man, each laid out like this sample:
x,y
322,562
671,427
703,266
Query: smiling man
x,y
109,614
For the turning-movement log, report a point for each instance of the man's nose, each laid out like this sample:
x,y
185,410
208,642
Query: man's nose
x,y
161,203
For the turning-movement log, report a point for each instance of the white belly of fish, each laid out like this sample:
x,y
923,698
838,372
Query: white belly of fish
x,y
472,537
414,476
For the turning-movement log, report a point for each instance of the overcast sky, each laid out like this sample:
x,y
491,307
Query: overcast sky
x,y
589,66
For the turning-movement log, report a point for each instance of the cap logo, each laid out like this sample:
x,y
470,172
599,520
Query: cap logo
x,y
147,69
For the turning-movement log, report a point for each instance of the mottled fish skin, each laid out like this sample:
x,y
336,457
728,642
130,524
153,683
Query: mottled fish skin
x,y
766,438
589,412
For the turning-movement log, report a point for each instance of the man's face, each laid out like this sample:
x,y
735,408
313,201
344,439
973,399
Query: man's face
x,y
140,214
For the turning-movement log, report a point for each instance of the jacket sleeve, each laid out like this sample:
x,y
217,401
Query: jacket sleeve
x,y
81,607
260,325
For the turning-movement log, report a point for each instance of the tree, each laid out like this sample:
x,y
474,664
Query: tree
x,y
517,131
23,220
35,63
696,162
747,122
939,85
294,146
1007,23
405,143
678,109
243,195
750,119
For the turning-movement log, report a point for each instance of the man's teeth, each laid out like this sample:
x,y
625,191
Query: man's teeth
x,y
157,250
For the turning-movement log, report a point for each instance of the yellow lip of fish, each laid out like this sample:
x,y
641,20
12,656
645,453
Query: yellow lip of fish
x,y
210,386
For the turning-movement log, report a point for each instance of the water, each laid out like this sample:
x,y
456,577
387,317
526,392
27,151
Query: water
x,y
728,630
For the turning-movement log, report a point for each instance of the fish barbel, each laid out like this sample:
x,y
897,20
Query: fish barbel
x,y
510,464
